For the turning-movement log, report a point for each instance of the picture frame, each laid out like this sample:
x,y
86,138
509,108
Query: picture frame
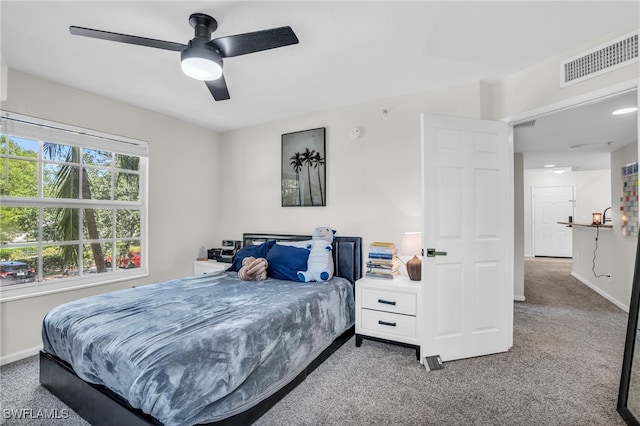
x,y
303,171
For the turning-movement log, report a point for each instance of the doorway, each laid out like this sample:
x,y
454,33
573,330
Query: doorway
x,y
552,209
561,152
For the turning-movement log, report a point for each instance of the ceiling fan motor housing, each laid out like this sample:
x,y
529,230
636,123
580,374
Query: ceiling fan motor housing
x,y
203,25
200,60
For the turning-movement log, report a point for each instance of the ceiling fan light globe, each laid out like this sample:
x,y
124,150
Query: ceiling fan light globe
x,y
201,63
201,69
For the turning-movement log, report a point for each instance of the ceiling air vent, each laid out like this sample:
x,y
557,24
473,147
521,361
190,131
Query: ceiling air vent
x,y
604,58
528,123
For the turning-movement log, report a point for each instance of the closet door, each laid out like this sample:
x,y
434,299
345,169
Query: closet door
x,y
468,214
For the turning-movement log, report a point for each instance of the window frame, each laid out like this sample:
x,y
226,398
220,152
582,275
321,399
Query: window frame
x,y
22,126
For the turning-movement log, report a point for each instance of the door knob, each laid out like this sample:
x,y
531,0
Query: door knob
x,y
431,252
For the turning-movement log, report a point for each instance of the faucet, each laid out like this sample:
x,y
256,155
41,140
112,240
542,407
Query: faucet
x,y
604,216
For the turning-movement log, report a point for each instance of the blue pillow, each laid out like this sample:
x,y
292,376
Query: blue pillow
x,y
250,251
286,261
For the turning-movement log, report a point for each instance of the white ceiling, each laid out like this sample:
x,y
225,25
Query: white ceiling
x,y
349,52
580,138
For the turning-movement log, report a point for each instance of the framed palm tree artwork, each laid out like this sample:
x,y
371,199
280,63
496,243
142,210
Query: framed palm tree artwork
x,y
304,168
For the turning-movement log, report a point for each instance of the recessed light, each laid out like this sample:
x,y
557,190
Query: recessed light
x,y
561,170
549,165
625,111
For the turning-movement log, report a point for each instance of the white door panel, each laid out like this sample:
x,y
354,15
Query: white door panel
x,y
550,206
468,213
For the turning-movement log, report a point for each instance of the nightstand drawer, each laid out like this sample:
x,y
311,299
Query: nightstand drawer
x,y
384,322
389,301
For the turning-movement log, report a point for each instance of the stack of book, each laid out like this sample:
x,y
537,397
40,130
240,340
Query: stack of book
x,y
383,261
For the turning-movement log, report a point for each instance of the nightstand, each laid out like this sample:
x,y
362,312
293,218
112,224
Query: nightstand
x,y
389,311
205,266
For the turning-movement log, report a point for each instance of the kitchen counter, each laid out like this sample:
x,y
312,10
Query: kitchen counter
x,y
585,225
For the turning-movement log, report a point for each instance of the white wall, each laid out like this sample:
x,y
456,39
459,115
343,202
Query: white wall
x,y
374,187
616,253
183,191
592,194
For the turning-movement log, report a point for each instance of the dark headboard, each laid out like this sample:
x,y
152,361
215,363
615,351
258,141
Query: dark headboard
x,y
347,252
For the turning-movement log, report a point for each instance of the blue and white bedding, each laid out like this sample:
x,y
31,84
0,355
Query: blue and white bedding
x,y
199,349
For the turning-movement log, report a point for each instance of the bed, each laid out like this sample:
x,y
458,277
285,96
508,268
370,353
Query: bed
x,y
199,350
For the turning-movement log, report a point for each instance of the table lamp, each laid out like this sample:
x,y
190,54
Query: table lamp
x,y
597,219
412,246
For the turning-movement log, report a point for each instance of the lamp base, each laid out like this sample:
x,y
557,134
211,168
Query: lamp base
x,y
414,269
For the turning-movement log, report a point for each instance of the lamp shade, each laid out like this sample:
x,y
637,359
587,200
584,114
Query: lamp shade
x,y
411,244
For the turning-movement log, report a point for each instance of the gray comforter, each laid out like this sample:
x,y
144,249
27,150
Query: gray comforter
x,y
199,349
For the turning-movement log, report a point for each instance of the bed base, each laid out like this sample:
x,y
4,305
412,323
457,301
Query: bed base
x,y
100,406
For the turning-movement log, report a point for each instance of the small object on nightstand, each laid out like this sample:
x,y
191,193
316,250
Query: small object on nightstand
x,y
202,254
229,250
214,253
412,245
383,262
433,363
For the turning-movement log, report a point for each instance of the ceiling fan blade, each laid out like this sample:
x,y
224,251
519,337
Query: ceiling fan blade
x,y
124,38
218,89
242,44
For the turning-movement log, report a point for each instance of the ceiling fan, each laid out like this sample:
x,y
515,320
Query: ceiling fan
x,y
202,57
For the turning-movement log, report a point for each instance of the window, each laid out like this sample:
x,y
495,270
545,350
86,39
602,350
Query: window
x,y
72,207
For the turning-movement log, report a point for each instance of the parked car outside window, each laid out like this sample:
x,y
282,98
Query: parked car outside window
x,y
13,272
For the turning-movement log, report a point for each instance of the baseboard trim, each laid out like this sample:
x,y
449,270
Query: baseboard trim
x,y
601,292
17,356
518,298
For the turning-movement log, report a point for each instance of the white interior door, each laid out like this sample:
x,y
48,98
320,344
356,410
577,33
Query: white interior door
x,y
468,213
552,204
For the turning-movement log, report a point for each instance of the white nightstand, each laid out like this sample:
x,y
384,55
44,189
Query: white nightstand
x,y
205,266
389,311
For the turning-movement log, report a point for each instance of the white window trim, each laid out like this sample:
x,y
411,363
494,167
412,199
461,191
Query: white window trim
x,y
28,290
76,136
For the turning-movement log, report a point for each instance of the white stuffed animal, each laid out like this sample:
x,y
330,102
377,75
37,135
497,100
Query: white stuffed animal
x,y
320,262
